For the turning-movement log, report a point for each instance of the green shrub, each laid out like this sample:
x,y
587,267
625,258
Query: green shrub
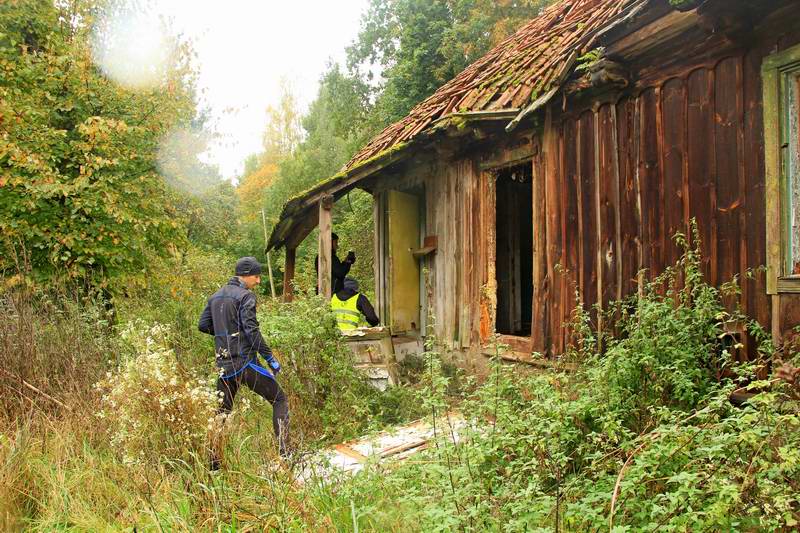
x,y
329,398
642,438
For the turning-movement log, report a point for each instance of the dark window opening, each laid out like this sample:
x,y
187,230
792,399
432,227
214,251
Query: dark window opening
x,y
514,252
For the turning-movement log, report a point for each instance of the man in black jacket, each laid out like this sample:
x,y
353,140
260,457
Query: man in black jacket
x,y
339,269
230,315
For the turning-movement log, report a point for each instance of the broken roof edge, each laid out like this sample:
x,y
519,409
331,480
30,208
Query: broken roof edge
x,y
346,179
301,202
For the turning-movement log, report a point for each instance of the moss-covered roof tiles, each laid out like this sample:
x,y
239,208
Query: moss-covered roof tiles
x,y
530,65
514,73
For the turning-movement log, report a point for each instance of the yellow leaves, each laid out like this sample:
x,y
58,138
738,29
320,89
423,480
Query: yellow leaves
x,y
12,281
252,187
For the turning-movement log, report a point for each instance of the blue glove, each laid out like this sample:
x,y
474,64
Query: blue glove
x,y
274,365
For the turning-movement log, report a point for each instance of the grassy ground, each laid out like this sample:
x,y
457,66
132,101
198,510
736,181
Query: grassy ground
x,y
643,438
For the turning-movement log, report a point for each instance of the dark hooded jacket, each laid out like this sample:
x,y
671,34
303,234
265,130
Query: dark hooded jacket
x,y
230,315
339,269
362,304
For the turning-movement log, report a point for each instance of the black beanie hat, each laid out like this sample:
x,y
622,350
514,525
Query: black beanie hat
x,y
248,266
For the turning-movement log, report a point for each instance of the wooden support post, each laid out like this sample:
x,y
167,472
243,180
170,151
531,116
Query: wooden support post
x,y
539,328
288,274
325,252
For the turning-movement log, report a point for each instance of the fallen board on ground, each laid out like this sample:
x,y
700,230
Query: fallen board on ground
x,y
396,444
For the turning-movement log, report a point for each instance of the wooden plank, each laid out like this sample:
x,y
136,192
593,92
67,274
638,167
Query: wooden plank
x,y
757,304
571,227
672,111
288,274
588,212
467,180
541,294
403,231
488,296
552,141
451,251
727,183
351,453
325,252
702,162
617,200
629,217
772,162
477,240
663,238
742,190
379,257
607,206
650,184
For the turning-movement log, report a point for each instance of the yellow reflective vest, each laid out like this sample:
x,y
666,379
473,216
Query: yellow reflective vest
x,y
346,311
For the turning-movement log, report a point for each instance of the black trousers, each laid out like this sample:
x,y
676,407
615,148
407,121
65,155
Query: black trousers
x,y
268,389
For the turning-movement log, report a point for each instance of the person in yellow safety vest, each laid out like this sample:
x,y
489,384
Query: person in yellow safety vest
x,y
348,305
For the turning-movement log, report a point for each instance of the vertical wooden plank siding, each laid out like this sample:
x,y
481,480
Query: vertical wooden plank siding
x,y
727,166
607,205
650,183
673,161
757,302
702,183
611,186
540,339
619,182
630,217
552,147
588,211
570,225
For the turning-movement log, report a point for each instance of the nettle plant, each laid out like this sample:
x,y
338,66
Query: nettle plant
x,y
643,437
156,411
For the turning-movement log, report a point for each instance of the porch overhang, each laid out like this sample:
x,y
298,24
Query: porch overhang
x,y
300,214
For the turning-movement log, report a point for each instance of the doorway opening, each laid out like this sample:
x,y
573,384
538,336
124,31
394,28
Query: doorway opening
x,y
514,250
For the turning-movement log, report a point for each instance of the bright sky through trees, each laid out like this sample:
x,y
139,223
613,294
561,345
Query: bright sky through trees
x,y
244,48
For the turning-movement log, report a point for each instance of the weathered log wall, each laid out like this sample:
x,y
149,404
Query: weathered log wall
x,y
613,180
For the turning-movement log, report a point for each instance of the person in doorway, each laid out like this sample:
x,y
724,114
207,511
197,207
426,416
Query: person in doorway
x,y
339,269
349,305
230,316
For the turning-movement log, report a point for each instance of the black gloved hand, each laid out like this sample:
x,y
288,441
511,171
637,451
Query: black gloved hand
x,y
351,257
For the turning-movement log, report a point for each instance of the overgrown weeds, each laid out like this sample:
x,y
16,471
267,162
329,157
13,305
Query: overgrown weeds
x,y
642,438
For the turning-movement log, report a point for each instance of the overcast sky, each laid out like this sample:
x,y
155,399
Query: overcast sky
x,y
244,47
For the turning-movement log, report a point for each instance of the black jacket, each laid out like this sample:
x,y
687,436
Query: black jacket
x,y
339,270
362,304
230,315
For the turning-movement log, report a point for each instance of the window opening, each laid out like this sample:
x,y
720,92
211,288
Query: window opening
x,y
792,120
514,250
780,74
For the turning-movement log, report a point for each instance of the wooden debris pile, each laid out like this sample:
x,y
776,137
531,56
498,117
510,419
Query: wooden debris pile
x,y
396,444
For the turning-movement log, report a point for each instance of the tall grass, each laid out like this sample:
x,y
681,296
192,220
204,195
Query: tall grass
x,y
95,414
643,437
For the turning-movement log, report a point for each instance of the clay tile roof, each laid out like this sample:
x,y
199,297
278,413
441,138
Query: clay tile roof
x,y
516,72
530,65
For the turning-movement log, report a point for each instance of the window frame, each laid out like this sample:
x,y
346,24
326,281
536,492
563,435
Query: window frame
x,y
776,70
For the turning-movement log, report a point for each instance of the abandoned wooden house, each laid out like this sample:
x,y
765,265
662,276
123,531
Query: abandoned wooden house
x,y
565,160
